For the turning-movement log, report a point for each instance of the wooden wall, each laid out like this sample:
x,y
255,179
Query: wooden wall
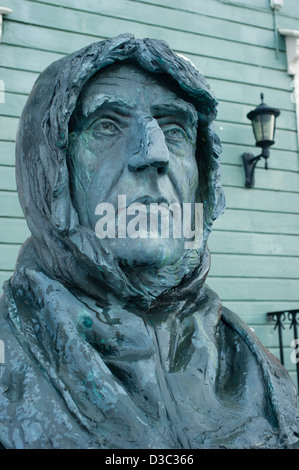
x,y
255,244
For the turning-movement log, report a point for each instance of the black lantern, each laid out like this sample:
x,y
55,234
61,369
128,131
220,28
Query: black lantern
x,y
263,119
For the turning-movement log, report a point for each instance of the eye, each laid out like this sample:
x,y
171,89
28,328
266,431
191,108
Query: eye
x,y
104,127
174,132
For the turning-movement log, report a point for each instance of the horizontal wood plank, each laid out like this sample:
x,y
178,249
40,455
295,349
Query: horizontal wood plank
x,y
249,94
7,178
253,243
174,19
255,312
262,222
9,204
17,81
32,60
13,230
86,23
250,13
261,200
274,180
254,266
269,337
279,159
8,256
255,289
242,134
64,42
237,112
8,128
7,153
13,104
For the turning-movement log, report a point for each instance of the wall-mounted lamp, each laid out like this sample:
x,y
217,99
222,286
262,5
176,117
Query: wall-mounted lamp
x,y
263,119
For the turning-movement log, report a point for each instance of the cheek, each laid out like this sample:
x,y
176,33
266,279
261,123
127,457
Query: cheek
x,y
83,162
186,172
194,174
92,161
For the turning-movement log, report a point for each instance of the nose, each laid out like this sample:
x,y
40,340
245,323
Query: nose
x,y
152,151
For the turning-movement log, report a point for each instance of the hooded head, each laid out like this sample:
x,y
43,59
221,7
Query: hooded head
x,y
66,249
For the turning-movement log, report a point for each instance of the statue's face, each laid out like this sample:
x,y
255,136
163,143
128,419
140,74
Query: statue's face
x,y
133,136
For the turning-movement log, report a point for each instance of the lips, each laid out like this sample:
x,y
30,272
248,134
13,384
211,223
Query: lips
x,y
144,200
150,200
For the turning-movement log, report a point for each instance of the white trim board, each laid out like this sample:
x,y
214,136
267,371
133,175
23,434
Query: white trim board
x,y
292,46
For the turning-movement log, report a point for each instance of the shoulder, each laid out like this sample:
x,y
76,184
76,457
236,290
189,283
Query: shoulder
x,y
6,331
33,413
8,340
14,358
18,382
3,310
281,392
247,335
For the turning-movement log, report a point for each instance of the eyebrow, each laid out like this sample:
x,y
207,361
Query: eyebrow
x,y
179,105
91,105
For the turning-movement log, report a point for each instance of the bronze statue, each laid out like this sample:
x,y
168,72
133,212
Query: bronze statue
x,y
117,342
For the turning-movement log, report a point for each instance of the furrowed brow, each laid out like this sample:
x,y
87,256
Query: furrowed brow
x,y
91,105
178,106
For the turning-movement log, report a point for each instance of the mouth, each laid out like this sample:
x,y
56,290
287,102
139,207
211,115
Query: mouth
x,y
146,200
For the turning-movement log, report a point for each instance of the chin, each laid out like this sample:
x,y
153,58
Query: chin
x,y
150,252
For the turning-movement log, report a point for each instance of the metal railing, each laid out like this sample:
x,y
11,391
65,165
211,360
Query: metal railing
x,y
282,319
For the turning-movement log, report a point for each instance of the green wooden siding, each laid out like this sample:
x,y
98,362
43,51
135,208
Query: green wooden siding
x,y
255,244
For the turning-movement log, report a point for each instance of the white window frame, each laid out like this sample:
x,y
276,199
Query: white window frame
x,y
292,46
3,11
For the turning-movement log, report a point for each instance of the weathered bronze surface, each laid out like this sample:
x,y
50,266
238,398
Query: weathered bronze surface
x,y
119,343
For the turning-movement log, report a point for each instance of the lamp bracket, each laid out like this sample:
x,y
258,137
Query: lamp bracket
x,y
249,163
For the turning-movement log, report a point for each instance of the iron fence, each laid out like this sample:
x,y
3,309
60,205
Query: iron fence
x,y
283,319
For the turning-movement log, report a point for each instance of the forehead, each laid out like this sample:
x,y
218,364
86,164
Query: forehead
x,y
132,85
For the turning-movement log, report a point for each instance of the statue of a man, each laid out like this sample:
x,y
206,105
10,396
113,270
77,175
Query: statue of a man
x,y
116,341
